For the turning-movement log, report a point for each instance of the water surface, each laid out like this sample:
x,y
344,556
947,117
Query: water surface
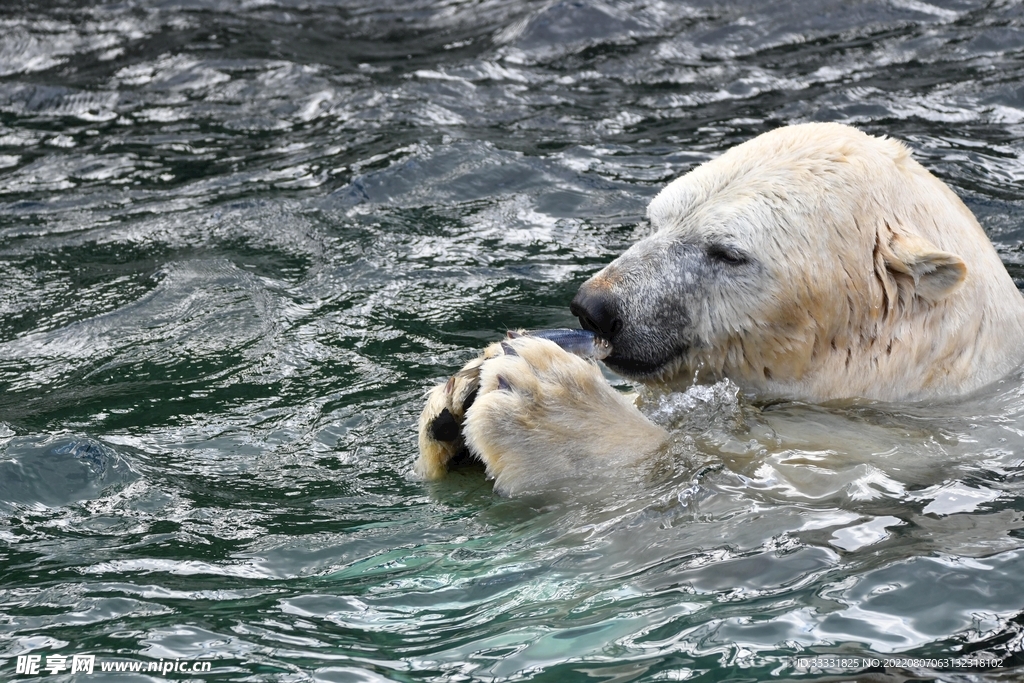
x,y
240,239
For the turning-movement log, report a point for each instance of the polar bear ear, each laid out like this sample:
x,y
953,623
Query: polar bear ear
x,y
934,274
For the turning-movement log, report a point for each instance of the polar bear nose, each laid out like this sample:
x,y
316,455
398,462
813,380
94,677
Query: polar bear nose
x,y
598,311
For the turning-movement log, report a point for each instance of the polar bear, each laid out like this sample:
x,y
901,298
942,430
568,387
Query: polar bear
x,y
813,262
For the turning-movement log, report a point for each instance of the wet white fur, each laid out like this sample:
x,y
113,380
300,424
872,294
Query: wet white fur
x,y
878,282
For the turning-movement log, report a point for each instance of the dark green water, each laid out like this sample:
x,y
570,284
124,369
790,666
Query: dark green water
x,y
238,241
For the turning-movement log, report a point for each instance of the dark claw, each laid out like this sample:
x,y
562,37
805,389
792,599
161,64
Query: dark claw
x,y
507,348
469,400
444,427
462,458
503,385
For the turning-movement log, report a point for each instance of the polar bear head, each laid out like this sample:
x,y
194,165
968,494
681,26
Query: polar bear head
x,y
813,261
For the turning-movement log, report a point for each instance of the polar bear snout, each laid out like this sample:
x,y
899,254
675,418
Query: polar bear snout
x,y
598,308
644,304
603,310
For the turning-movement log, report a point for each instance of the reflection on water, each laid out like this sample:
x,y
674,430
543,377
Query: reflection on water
x,y
239,241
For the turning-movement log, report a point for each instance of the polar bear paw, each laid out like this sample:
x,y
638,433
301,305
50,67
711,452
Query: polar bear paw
x,y
532,413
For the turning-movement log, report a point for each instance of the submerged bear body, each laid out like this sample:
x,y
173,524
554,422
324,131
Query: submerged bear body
x,y
813,262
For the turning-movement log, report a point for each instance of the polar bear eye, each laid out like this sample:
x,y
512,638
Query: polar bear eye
x,y
726,254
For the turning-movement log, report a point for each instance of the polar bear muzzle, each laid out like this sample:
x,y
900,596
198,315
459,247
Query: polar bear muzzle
x,y
650,303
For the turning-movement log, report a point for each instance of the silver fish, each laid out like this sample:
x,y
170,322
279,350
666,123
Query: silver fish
x,y
579,342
